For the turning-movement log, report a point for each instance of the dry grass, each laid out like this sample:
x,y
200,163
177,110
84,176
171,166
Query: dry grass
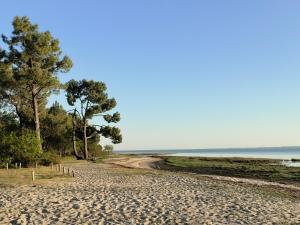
x,y
18,177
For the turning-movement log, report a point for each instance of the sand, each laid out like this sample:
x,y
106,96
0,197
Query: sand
x,y
137,162
107,194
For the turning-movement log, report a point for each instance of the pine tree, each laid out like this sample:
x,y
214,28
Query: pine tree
x,y
32,63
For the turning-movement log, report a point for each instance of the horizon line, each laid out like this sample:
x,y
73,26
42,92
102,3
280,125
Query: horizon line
x,y
220,148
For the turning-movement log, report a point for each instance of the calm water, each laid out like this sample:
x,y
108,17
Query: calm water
x,y
284,153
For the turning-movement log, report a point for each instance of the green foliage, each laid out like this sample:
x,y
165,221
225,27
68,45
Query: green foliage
x,y
57,130
108,148
16,149
36,55
92,96
23,149
46,158
28,76
116,117
112,132
95,149
106,152
8,122
92,100
29,69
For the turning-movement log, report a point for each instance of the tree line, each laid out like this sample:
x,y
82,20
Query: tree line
x,y
30,61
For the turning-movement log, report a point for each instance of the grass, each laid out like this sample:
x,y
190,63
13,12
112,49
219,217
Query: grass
x,y
18,177
265,169
99,159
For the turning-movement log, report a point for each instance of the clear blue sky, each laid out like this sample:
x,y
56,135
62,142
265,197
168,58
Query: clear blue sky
x,y
186,74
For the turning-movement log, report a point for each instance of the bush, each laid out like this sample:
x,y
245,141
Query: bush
x,y
49,157
95,150
23,149
16,149
26,149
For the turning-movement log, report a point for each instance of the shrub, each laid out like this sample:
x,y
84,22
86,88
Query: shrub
x,y
15,149
49,157
95,150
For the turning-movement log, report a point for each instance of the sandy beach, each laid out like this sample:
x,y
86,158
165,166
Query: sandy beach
x,y
136,162
110,194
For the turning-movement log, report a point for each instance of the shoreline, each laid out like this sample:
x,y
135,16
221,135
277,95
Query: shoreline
x,y
277,153
155,162
288,161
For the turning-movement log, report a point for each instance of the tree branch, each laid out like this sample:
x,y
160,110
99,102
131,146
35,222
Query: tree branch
x,y
98,126
81,103
92,135
98,115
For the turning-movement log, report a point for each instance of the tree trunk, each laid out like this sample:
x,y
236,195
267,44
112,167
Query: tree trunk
x,y
21,120
74,141
36,118
86,153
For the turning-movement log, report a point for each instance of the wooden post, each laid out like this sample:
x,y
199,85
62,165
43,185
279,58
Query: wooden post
x,y
36,164
63,170
16,165
6,166
73,174
52,166
68,171
20,165
33,178
59,168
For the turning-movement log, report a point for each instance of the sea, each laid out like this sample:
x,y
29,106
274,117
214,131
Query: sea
x,y
286,154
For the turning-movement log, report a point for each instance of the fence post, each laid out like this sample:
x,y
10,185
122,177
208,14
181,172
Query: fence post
x,y
36,164
16,165
63,170
59,168
73,174
6,166
20,165
52,166
68,171
33,178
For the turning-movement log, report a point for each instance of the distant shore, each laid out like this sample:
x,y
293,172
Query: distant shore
x,y
281,153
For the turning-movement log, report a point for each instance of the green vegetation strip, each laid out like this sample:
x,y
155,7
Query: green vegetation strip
x,y
265,169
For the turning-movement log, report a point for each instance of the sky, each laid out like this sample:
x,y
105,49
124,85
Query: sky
x,y
185,74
